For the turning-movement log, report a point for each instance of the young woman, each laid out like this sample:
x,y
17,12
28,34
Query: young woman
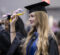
x,y
17,36
40,39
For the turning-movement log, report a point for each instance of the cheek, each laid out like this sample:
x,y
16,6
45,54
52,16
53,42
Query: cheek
x,y
35,22
31,20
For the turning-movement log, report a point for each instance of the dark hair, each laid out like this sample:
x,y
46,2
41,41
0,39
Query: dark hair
x,y
8,17
8,24
19,26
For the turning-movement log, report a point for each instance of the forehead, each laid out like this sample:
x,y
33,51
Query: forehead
x,y
33,13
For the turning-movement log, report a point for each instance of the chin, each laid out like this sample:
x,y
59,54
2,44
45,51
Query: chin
x,y
32,25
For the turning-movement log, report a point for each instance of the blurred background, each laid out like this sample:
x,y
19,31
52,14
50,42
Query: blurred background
x,y
8,6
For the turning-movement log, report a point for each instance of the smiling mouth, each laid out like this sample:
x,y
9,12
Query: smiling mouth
x,y
31,22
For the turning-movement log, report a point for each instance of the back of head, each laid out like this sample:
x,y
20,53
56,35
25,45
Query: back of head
x,y
19,26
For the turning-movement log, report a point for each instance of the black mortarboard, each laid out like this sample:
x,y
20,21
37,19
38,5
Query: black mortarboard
x,y
37,7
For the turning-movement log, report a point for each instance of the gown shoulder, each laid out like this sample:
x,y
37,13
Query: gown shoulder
x,y
53,46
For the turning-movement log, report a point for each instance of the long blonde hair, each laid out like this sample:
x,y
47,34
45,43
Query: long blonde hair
x,y
43,28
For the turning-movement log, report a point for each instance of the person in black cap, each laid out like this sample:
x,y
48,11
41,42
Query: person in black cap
x,y
17,36
40,39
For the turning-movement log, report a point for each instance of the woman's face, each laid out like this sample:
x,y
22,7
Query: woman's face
x,y
32,19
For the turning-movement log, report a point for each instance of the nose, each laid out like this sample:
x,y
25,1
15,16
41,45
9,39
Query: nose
x,y
29,18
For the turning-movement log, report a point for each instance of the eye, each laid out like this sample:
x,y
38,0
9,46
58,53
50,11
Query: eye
x,y
32,15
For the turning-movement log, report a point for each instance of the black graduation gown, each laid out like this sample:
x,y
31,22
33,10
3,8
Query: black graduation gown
x,y
53,47
4,42
15,48
6,48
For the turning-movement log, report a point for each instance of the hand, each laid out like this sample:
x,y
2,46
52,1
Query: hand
x,y
14,18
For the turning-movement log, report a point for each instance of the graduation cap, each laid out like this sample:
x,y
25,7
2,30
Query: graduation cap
x,y
38,6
